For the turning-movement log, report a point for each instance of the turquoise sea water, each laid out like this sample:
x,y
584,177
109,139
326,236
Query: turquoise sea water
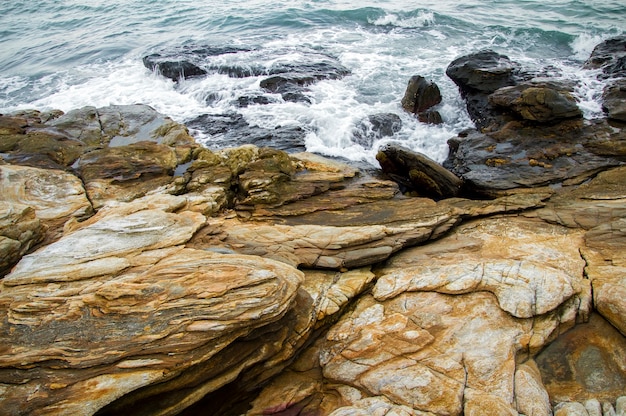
x,y
67,54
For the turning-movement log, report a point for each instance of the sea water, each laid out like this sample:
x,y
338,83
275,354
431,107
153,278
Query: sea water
x,y
68,54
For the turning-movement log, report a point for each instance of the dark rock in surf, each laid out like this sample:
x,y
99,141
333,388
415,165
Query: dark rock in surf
x,y
610,56
290,80
484,71
420,95
188,62
614,100
536,102
419,98
430,117
229,130
417,172
172,69
247,100
375,127
477,75
532,155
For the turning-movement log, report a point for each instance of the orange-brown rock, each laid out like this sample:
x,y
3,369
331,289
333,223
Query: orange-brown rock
x,y
120,307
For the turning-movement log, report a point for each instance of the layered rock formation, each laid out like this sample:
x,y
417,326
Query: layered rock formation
x,y
146,275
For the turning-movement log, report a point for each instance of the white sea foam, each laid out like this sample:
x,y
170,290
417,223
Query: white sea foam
x,y
424,18
382,53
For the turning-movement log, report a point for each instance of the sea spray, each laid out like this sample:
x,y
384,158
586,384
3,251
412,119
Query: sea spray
x,y
72,56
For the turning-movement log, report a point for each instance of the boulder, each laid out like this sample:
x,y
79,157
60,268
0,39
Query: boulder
x,y
417,172
477,75
420,95
614,100
536,102
610,57
484,71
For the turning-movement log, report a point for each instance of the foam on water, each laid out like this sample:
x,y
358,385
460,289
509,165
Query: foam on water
x,y
381,44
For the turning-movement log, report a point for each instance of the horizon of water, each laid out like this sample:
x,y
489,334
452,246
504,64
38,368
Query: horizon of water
x,y
67,54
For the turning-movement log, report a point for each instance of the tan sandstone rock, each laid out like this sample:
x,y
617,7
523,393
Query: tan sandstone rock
x,y
19,231
53,194
434,352
606,268
531,267
118,306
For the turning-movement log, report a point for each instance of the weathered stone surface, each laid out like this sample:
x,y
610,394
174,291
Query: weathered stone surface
x,y
530,156
530,267
606,264
124,173
536,102
577,371
596,202
134,308
20,230
117,125
570,409
53,194
530,395
351,235
418,172
435,307
429,351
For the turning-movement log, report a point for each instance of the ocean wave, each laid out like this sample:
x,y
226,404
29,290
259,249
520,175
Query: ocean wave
x,y
421,19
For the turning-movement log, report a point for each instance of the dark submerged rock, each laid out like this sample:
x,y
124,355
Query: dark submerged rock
x,y
291,80
227,130
418,172
375,127
172,69
188,62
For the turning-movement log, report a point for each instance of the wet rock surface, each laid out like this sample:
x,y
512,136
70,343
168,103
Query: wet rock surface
x,y
145,274
610,57
418,173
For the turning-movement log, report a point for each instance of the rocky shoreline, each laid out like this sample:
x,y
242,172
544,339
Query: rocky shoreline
x,y
145,274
